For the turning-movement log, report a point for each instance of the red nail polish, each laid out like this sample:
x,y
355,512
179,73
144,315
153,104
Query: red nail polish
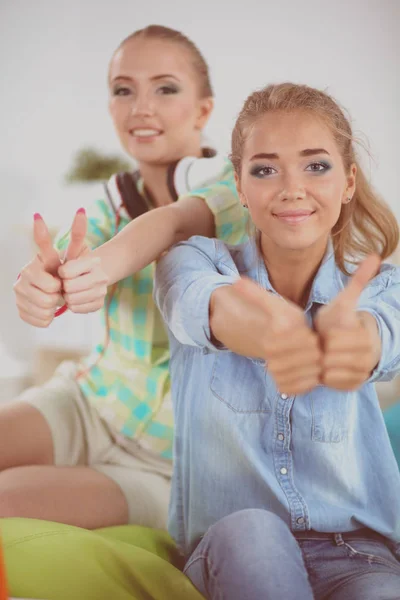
x,y
37,216
81,211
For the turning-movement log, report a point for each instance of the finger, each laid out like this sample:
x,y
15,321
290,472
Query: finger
x,y
79,267
342,360
343,379
48,255
38,312
77,235
91,295
297,343
342,340
44,283
87,308
249,290
293,360
291,371
365,272
35,321
301,386
38,298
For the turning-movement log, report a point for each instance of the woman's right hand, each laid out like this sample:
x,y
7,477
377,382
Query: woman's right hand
x,y
38,288
291,348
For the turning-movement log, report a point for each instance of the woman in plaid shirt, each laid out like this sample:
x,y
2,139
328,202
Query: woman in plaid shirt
x,y
94,444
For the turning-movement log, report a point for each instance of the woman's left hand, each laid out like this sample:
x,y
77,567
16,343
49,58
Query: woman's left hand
x,y
84,281
349,338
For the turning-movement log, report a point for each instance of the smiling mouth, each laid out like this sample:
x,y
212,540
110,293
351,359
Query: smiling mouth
x,y
145,132
294,217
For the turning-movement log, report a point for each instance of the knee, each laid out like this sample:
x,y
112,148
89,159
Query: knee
x,y
11,495
248,531
251,521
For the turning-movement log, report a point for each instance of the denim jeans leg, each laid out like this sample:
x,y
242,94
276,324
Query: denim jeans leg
x,y
249,555
352,569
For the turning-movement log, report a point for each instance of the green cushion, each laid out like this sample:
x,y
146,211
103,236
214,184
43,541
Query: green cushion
x,y
60,562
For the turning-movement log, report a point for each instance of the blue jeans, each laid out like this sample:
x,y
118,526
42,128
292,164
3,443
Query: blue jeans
x,y
252,555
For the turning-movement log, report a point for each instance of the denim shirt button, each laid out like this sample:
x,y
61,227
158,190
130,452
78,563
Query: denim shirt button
x,y
281,437
300,520
283,471
284,396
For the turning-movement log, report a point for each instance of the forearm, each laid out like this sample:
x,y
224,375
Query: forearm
x,y
140,243
237,324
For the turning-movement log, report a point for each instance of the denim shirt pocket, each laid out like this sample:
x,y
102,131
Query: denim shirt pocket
x,y
331,413
241,383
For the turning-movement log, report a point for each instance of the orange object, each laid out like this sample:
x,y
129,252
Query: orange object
x,y
3,582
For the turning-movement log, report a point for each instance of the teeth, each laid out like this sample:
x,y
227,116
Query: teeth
x,y
145,132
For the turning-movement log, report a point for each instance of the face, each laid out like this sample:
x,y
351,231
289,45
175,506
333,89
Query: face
x,y
154,101
293,180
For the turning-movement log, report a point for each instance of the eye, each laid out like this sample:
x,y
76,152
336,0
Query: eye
x,y
166,90
262,171
121,91
318,167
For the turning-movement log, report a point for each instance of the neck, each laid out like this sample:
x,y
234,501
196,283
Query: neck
x,y
292,272
155,181
155,176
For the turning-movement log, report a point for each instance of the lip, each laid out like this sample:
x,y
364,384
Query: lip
x,y
145,134
294,216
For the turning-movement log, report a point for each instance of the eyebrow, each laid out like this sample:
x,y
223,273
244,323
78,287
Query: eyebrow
x,y
155,78
307,152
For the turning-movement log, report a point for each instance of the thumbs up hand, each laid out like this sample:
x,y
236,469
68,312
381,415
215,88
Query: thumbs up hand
x,y
38,288
84,281
290,347
350,340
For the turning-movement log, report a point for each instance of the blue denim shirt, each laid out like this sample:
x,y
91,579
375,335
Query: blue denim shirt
x,y
320,460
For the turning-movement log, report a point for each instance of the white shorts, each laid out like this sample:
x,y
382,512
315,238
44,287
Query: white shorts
x,y
81,437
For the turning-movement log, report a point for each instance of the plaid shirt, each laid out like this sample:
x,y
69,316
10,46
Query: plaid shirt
x,y
127,379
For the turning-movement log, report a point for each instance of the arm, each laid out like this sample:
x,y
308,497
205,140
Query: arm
x,y
206,304
211,211
144,240
381,315
360,329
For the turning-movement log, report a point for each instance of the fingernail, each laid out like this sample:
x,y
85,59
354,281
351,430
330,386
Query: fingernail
x,y
37,216
81,211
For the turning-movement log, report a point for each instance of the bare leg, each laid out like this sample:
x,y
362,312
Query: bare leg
x,y
25,437
77,496
30,486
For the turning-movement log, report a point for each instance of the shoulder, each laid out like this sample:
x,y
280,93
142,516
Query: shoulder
x,y
214,251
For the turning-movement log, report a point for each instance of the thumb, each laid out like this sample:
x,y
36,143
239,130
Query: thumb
x,y
47,253
78,234
349,297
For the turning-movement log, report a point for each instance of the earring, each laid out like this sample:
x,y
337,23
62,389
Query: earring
x,y
349,199
245,206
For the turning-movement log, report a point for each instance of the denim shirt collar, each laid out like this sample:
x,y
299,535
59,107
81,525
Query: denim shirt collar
x,y
328,282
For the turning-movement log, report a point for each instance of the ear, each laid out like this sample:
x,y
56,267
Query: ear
x,y
351,184
206,106
110,111
242,197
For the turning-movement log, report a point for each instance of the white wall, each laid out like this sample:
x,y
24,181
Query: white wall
x,y
53,100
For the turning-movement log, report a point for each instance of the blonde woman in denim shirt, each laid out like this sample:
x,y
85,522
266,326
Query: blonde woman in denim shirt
x,y
285,484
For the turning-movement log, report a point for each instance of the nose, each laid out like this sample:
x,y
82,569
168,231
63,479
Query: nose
x,y
293,189
143,104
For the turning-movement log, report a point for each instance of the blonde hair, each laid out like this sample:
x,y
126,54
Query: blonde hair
x,y
159,32
366,225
